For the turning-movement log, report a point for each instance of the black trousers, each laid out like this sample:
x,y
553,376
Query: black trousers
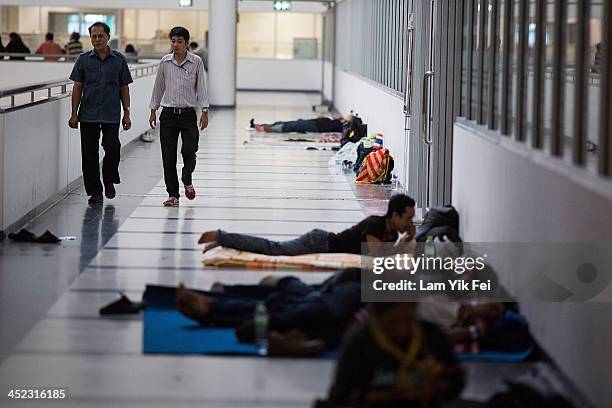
x,y
90,159
171,125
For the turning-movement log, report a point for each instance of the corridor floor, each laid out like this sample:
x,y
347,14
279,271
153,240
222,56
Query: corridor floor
x,y
272,192
278,192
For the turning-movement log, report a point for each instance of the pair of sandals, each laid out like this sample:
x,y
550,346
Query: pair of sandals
x,y
26,236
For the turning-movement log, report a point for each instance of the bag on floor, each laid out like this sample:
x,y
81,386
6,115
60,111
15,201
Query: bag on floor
x,y
346,154
377,168
362,153
439,222
353,131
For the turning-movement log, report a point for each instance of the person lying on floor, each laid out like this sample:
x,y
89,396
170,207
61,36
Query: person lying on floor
x,y
320,312
318,125
373,230
395,359
490,326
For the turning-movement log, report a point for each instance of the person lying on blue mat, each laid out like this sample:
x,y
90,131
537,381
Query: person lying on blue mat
x,y
320,312
324,312
373,230
491,326
395,360
317,125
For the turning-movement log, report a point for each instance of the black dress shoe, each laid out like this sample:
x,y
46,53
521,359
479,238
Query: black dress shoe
x,y
109,190
95,199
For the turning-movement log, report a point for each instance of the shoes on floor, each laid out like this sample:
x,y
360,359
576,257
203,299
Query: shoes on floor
x,y
190,192
171,202
109,190
26,236
95,199
252,123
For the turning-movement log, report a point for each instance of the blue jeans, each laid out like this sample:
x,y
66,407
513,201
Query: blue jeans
x,y
299,126
315,241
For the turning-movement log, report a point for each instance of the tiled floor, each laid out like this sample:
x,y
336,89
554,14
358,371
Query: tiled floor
x,y
52,334
278,193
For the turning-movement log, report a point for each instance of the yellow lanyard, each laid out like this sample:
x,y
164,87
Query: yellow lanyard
x,y
406,358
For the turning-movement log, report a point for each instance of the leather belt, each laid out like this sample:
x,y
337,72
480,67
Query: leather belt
x,y
179,111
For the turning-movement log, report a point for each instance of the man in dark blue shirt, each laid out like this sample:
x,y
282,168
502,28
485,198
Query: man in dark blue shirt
x,y
101,78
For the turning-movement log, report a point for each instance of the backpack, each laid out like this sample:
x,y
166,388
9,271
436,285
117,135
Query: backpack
x,y
376,168
353,131
439,221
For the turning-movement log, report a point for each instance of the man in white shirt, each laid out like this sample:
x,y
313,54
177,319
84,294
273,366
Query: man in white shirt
x,y
180,89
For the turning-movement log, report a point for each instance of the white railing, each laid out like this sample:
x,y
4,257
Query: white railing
x,y
32,94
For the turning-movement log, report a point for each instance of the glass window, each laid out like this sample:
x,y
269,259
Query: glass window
x,y
280,35
256,35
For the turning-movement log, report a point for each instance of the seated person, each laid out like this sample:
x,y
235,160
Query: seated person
x,y
395,360
321,125
320,312
373,230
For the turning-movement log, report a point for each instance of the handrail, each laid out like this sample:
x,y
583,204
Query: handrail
x,y
137,72
32,87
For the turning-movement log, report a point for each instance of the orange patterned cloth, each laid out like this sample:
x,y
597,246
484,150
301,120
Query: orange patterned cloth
x,y
231,258
375,167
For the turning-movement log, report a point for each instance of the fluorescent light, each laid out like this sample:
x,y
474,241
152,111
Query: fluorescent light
x,y
282,5
185,3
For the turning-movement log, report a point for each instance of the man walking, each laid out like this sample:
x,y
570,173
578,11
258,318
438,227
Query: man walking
x,y
101,78
181,90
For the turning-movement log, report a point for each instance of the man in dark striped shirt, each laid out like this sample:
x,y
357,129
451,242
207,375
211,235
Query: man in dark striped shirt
x,y
180,89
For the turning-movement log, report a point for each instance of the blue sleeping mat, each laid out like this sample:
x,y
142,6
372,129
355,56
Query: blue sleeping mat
x,y
167,331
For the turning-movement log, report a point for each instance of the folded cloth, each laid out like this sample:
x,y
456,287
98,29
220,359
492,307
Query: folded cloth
x,y
26,236
227,257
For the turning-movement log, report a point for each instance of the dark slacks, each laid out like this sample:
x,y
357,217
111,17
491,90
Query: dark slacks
x,y
314,241
90,159
171,125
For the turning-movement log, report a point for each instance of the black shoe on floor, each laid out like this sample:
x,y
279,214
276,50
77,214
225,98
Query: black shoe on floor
x,y
22,236
109,190
95,199
252,122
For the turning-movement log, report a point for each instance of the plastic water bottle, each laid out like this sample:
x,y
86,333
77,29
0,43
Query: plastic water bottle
x,y
394,181
261,319
430,249
338,166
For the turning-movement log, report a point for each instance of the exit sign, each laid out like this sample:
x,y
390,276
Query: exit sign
x,y
282,5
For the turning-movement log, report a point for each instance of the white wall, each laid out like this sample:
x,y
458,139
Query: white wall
x,y
41,154
328,80
270,74
379,108
505,192
15,73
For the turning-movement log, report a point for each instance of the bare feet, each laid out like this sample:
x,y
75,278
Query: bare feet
x,y
208,236
209,247
192,304
260,128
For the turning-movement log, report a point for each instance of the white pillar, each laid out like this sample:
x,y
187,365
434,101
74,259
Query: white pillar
x,y
222,52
